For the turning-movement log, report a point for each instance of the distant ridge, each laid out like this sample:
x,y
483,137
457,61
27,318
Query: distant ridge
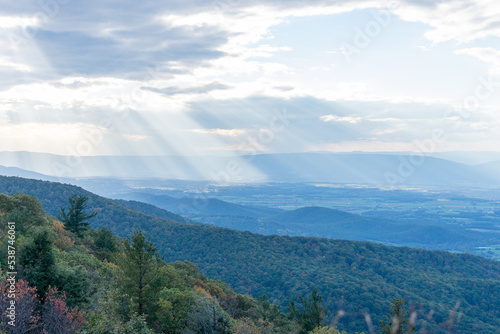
x,y
207,207
336,224
359,168
14,171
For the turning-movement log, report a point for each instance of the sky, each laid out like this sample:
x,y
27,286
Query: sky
x,y
233,77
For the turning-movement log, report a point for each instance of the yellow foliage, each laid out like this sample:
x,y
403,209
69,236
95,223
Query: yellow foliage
x,y
202,292
248,326
63,240
328,330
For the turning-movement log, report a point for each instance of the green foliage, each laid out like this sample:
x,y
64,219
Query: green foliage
x,y
174,309
105,243
26,211
311,314
328,330
208,317
105,239
37,260
103,324
398,318
249,326
139,266
75,218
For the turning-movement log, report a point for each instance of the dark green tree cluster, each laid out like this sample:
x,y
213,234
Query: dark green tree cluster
x,y
75,219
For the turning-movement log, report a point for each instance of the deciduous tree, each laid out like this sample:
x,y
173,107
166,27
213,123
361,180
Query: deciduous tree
x,y
57,317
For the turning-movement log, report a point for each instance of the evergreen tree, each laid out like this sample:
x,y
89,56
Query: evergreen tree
x,y
37,260
105,239
398,318
75,218
312,313
138,268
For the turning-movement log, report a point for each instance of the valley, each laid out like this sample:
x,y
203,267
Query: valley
x,y
459,220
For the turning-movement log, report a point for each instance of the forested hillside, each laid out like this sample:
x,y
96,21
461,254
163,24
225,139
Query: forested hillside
x,y
356,277
93,282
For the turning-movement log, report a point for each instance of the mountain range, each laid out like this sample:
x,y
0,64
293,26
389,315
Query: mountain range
x,y
356,277
360,168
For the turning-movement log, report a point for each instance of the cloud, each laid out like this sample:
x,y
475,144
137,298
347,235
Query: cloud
x,y
462,20
6,64
335,118
135,137
124,54
488,55
201,89
92,59
14,22
221,132
284,88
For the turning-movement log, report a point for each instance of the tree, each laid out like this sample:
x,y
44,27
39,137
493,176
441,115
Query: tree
x,y
27,318
25,210
75,218
105,239
207,317
139,266
105,243
312,313
57,317
63,240
37,260
327,330
397,319
174,308
249,326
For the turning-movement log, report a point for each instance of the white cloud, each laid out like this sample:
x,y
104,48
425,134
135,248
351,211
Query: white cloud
x,y
461,20
135,137
488,55
221,132
335,118
7,22
6,64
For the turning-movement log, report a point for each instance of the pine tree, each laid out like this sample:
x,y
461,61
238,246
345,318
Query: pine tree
x,y
138,268
75,219
37,260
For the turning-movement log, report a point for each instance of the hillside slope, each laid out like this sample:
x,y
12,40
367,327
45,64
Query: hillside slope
x,y
88,284
358,277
